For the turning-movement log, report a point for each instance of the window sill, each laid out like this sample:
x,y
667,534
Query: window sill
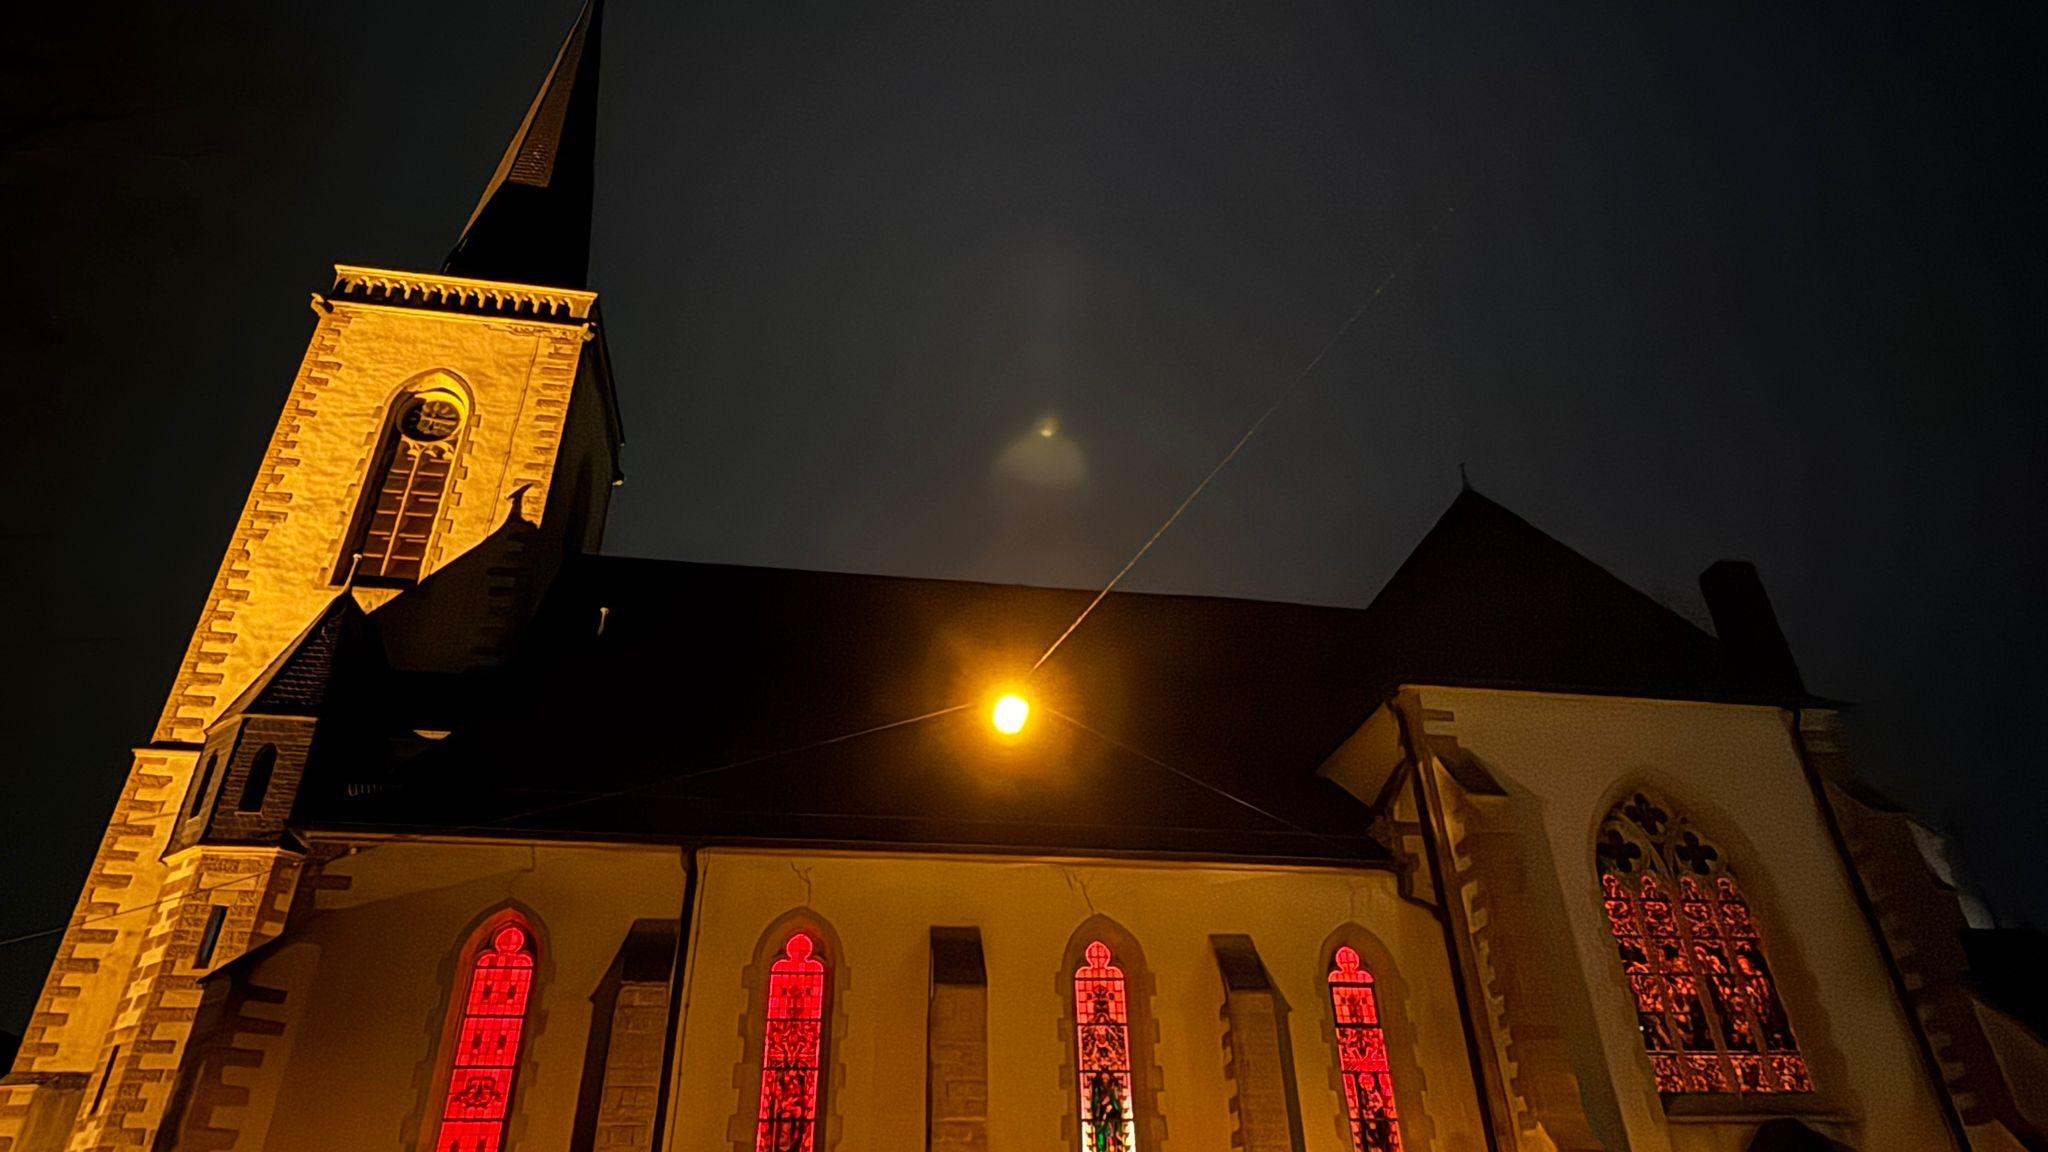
x,y
1732,1107
378,582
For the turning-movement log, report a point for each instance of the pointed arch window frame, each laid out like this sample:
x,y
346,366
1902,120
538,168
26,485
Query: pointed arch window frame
x,y
1364,1061
1127,954
478,1083
1708,1004
794,1027
1105,1087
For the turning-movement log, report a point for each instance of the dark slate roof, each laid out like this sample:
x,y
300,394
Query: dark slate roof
x,y
533,224
701,666
711,703
305,679
1488,600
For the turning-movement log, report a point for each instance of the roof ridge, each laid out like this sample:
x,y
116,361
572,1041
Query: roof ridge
x,y
841,573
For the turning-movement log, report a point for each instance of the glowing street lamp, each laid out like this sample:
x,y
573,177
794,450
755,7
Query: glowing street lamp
x,y
1010,713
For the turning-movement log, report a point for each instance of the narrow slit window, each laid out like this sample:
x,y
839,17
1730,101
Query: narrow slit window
x,y
209,939
1362,1057
792,1050
487,1048
205,782
1102,1029
257,786
402,500
99,1094
1706,1005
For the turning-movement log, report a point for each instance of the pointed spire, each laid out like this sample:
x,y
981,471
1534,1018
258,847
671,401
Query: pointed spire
x,y
533,224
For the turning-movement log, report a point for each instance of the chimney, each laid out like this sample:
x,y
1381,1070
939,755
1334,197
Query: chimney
x,y
1748,627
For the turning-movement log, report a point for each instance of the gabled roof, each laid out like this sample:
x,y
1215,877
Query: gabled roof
x,y
533,224
1178,700
304,679
695,701
1489,600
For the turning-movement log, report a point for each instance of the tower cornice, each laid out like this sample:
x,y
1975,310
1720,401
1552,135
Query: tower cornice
x,y
441,292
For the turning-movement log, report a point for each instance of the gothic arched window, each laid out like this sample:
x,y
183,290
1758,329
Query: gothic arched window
x,y
793,1050
403,494
1362,1057
499,986
256,786
1102,1026
1706,1003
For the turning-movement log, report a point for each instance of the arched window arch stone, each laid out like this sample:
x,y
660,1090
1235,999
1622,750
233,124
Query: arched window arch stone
x,y
778,1065
405,490
491,1016
1397,1030
1098,948
1708,1006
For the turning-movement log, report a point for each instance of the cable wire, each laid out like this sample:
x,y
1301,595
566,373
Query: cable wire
x,y
1282,398
592,798
1199,782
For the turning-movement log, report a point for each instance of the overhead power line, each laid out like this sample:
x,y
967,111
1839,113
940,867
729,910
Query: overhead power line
x,y
1257,424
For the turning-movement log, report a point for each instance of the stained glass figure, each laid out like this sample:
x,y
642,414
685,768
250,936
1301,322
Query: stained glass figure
x,y
487,1048
1706,1005
1102,1027
1362,1057
793,1050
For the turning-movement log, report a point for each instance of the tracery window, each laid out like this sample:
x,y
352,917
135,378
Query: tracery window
x,y
404,494
793,1049
1706,1004
487,1048
1102,1027
1362,1057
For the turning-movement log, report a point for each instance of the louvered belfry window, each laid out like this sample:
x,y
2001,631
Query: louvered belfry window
x,y
397,521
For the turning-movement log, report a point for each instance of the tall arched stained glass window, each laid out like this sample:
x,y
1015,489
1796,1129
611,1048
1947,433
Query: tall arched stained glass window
x,y
1102,1026
1706,1004
1362,1057
793,1050
403,495
487,1048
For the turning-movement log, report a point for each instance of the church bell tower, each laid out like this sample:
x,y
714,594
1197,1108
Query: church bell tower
x,y
449,437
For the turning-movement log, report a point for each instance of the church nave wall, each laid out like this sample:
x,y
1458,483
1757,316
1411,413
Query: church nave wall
x,y
370,982
1169,929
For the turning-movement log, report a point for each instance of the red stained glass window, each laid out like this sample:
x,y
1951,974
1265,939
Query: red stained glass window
x,y
1362,1057
1706,1004
487,1044
792,1056
1102,1026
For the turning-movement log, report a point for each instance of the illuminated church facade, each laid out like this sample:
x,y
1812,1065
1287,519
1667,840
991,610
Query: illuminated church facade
x,y
457,834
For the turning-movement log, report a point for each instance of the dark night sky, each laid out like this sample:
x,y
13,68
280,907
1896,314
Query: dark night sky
x,y
1723,279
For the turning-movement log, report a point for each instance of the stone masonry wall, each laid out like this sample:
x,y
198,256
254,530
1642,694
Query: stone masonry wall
x,y
958,1068
632,1069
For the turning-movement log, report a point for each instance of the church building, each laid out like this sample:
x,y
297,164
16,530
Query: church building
x,y
457,834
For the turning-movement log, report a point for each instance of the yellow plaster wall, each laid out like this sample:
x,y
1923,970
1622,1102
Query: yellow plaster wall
x,y
1735,772
882,907
364,1012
